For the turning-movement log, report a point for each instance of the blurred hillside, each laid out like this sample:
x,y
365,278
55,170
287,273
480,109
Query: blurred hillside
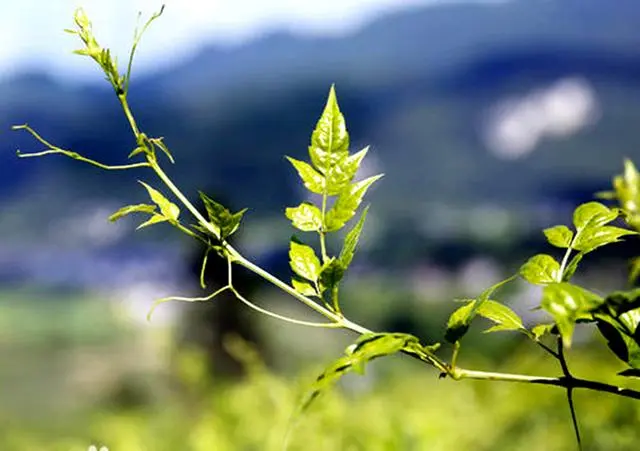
x,y
451,98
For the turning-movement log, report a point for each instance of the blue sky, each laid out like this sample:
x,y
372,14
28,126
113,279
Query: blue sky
x,y
31,30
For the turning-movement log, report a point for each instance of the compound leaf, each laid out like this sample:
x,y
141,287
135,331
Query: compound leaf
x,y
347,203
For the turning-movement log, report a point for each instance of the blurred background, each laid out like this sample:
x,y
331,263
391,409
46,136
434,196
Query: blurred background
x,y
490,119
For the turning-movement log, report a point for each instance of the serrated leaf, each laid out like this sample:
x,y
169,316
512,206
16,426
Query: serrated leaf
x,y
503,316
330,139
342,173
559,236
303,261
351,240
312,179
124,211
593,238
460,320
168,209
567,303
347,203
226,222
592,214
366,349
540,330
306,217
303,287
153,220
541,269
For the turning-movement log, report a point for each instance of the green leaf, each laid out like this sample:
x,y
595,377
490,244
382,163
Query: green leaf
x,y
559,236
594,238
226,222
331,274
625,345
168,209
460,320
303,287
367,348
541,269
340,175
312,179
306,217
124,211
571,268
303,261
567,303
540,330
592,214
136,151
351,240
156,218
330,139
347,203
503,316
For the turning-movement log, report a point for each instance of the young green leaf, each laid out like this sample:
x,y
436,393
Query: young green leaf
x,y
303,287
156,218
593,238
312,179
305,217
168,209
124,211
541,269
347,203
330,139
226,222
592,215
367,348
351,240
331,274
503,316
460,320
303,261
559,236
540,330
567,303
623,336
340,175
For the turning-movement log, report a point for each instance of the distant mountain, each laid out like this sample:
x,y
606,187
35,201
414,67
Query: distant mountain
x,y
415,84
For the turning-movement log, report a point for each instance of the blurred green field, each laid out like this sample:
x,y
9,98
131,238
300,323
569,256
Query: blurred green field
x,y
105,382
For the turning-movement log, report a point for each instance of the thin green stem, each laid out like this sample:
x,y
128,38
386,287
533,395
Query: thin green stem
x,y
127,112
79,157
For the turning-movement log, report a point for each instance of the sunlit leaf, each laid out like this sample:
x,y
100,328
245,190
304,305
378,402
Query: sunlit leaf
x,y
592,214
567,303
367,348
312,179
541,269
124,211
168,209
153,220
460,320
303,287
351,240
347,203
559,236
331,274
539,330
305,217
303,261
503,316
330,139
226,222
340,175
593,238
